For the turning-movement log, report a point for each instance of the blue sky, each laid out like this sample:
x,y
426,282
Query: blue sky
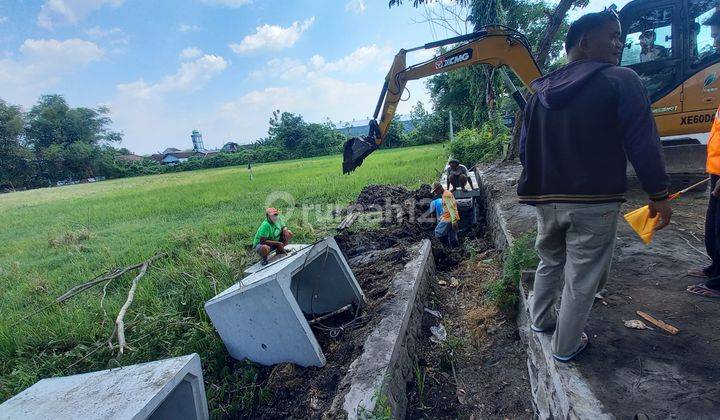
x,y
221,66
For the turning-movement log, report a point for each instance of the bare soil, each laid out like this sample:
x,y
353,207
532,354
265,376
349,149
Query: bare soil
x,y
374,257
490,378
653,372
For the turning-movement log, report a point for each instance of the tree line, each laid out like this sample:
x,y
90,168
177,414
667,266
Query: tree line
x,y
54,142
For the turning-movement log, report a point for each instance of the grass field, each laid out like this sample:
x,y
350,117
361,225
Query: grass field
x,y
53,239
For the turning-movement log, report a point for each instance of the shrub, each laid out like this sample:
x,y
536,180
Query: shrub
x,y
472,146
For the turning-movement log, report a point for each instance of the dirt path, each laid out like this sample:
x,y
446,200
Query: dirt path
x,y
653,372
483,347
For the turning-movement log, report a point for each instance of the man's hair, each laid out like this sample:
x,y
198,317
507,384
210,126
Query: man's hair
x,y
587,23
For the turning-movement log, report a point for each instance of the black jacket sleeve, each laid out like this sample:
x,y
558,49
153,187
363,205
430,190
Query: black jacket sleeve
x,y
640,135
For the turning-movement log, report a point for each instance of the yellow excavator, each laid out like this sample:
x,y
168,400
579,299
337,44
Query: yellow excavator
x,y
672,45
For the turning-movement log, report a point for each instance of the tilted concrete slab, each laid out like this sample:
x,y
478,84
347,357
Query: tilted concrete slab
x,y
290,249
262,317
165,389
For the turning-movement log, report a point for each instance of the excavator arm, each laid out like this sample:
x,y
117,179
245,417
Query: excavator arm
x,y
496,46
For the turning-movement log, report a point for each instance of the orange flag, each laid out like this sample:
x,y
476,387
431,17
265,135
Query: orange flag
x,y
641,222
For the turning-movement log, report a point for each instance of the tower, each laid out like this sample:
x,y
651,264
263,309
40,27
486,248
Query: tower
x,y
197,141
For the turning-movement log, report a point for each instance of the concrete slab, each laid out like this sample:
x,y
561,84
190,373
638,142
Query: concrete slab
x,y
262,317
290,248
165,389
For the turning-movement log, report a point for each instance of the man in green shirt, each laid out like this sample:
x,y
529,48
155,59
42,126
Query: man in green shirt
x,y
272,235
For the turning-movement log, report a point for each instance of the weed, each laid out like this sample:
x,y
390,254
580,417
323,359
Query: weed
x,y
502,292
420,383
381,410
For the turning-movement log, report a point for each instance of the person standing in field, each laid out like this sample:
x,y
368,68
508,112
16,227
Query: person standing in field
x,y
272,235
457,176
710,287
447,225
582,124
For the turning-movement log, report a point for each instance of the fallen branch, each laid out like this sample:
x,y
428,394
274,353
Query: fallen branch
x,y
75,290
329,315
119,321
658,323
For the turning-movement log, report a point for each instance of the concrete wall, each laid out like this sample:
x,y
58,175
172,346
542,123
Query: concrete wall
x,y
386,364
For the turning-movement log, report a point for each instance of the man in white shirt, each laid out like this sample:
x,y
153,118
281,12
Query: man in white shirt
x,y
457,176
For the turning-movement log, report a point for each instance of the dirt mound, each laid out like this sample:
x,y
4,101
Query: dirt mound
x,y
383,195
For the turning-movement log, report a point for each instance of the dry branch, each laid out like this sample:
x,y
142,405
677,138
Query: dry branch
x,y
75,290
120,320
658,323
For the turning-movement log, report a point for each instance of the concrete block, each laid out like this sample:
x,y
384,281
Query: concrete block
x,y
165,389
262,317
290,249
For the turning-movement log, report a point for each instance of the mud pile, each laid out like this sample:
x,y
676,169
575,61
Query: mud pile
x,y
382,195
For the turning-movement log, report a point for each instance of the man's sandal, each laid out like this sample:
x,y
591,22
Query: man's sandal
x,y
584,341
541,330
704,291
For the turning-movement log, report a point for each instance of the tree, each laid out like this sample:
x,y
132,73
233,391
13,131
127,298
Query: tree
x,y
69,142
17,163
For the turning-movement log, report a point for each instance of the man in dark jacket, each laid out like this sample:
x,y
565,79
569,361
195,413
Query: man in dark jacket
x,y
583,123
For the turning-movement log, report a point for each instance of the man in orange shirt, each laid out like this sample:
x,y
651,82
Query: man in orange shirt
x,y
711,286
446,229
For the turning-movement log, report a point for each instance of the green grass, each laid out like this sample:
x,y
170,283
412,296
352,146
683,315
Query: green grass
x,y
53,239
503,292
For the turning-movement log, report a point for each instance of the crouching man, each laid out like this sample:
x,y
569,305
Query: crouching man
x,y
458,176
272,235
448,217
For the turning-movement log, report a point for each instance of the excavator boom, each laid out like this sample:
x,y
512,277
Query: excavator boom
x,y
496,46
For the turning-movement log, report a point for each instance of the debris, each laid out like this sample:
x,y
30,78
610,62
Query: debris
x,y
658,323
442,282
454,282
329,315
636,324
434,313
348,220
439,334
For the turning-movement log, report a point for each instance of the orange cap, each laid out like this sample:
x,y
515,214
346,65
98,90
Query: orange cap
x,y
271,210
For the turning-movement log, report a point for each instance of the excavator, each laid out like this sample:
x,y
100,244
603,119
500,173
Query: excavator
x,y
673,45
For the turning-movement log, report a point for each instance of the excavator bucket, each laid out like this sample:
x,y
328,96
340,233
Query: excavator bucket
x,y
355,151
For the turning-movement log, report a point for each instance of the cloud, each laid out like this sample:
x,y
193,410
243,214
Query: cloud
x,y
282,68
228,3
272,37
98,32
368,55
69,12
190,52
356,6
188,28
355,62
3,19
43,63
191,76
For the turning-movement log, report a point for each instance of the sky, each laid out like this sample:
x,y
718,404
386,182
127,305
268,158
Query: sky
x,y
166,67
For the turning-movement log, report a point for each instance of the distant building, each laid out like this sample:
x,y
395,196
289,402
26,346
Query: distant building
x,y
197,141
357,128
129,158
231,147
173,156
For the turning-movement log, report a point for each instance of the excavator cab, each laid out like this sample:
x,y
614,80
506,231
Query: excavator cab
x,y
673,46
